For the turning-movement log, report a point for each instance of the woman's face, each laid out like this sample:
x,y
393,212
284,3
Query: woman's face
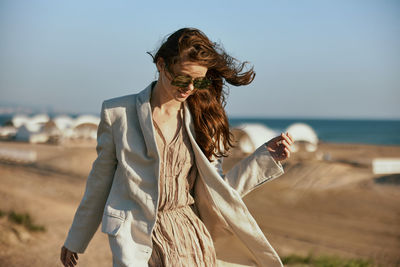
x,y
184,67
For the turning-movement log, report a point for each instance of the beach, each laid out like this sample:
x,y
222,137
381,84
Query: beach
x,y
328,202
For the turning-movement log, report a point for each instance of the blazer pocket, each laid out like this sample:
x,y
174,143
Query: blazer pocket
x,y
112,220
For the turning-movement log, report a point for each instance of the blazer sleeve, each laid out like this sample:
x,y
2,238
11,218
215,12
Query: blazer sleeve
x,y
89,213
252,171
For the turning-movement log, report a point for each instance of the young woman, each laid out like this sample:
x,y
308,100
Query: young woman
x,y
157,183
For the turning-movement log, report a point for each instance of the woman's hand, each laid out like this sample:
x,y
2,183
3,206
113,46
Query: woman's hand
x,y
279,147
68,258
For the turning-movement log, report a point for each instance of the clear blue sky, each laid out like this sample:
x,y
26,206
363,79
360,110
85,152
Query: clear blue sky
x,y
318,59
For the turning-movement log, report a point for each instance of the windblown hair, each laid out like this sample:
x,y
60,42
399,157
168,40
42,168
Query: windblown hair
x,y
207,106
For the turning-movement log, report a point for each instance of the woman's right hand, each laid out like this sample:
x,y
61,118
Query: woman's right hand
x,y
68,258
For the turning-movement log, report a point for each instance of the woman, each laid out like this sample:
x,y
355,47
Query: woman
x,y
157,184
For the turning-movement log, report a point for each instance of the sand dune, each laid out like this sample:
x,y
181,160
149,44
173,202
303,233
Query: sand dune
x,y
330,207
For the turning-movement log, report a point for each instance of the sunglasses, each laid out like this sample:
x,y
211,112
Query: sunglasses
x,y
184,81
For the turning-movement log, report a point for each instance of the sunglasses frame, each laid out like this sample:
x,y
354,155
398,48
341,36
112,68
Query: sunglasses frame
x,y
188,80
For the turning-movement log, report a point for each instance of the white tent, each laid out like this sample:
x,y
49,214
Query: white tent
x,y
31,135
40,128
303,133
84,127
19,120
7,132
32,124
39,119
86,119
252,135
63,122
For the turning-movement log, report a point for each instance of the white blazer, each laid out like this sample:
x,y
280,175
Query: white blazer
x,y
122,191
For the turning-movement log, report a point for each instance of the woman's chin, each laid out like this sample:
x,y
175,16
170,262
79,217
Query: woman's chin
x,y
183,96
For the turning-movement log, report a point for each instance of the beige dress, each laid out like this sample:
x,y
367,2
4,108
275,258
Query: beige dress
x,y
179,236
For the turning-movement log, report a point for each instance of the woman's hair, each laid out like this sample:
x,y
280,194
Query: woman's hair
x,y
207,106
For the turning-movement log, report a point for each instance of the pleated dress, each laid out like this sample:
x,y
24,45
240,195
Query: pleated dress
x,y
179,237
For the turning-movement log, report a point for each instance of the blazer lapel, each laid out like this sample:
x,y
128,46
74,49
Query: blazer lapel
x,y
189,121
234,216
202,162
145,120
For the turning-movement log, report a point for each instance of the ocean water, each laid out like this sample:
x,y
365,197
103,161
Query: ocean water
x,y
379,132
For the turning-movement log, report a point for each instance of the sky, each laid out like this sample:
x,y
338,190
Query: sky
x,y
313,59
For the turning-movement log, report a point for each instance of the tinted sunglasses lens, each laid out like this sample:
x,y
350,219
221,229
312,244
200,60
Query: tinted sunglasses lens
x,y
181,81
201,83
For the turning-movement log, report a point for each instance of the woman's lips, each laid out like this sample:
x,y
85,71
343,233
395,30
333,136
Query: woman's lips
x,y
184,94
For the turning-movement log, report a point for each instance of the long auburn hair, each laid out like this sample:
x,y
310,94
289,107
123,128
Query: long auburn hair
x,y
207,106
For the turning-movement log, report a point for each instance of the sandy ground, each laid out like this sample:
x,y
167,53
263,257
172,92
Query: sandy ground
x,y
330,207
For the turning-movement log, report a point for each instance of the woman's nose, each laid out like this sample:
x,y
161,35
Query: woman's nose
x,y
190,86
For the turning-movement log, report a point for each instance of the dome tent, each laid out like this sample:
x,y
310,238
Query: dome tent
x,y
303,133
250,136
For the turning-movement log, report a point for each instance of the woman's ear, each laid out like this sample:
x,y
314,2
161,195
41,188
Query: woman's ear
x,y
160,64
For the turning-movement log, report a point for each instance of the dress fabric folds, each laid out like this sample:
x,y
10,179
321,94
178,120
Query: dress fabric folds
x,y
179,237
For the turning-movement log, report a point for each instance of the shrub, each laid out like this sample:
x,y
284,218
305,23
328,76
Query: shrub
x,y
325,261
25,220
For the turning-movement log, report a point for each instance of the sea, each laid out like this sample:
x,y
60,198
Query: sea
x,y
356,131
377,132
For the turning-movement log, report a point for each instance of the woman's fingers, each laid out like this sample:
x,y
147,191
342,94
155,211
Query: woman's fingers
x,y
287,138
290,137
68,258
72,259
281,146
279,139
67,261
65,256
284,151
62,254
286,144
287,152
